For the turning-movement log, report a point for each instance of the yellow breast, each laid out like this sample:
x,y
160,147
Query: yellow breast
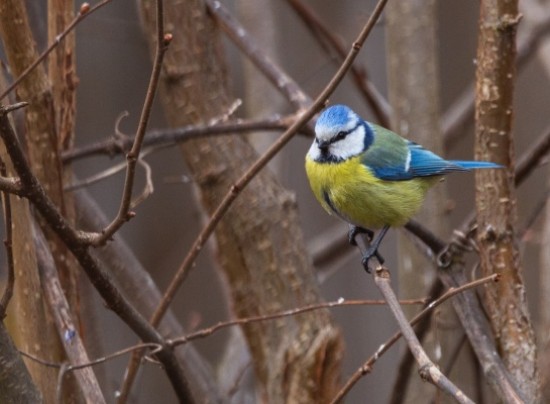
x,y
351,191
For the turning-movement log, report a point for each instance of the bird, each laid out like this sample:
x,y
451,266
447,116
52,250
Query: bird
x,y
371,177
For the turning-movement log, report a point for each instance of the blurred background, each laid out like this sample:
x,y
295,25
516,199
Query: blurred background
x,y
113,67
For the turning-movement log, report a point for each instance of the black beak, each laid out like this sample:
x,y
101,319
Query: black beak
x,y
323,146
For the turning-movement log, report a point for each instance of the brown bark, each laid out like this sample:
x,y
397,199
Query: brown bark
x,y
63,81
495,196
43,154
28,321
260,246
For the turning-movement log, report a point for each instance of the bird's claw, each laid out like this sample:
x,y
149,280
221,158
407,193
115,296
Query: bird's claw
x,y
371,252
356,230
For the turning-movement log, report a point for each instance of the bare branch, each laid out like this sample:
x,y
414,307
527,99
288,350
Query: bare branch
x,y
423,315
67,329
166,137
325,35
496,202
206,332
238,34
427,369
124,213
8,291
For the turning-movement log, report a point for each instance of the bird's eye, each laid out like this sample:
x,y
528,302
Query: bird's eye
x,y
340,135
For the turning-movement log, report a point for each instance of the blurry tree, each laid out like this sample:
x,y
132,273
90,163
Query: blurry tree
x,y
288,347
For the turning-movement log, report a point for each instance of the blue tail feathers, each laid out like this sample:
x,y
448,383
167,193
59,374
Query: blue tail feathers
x,y
470,165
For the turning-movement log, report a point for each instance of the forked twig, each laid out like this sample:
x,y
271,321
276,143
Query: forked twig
x,y
367,366
428,370
124,213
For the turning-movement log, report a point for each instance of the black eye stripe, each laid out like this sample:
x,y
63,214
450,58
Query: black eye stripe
x,y
342,134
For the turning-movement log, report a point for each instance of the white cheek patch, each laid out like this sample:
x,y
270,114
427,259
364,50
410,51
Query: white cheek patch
x,y
352,145
314,153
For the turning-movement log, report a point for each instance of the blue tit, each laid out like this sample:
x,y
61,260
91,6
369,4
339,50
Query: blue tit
x,y
369,176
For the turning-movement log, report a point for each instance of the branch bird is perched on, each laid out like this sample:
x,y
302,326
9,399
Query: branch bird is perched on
x,y
371,177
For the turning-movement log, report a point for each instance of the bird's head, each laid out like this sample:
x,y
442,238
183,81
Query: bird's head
x,y
339,134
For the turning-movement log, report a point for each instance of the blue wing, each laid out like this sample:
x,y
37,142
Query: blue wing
x,y
393,158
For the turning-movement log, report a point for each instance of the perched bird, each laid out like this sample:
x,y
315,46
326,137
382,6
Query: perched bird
x,y
371,177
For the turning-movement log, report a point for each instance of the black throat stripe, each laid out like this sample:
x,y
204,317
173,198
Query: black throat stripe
x,y
327,199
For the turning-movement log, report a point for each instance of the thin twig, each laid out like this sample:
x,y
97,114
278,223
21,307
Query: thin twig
x,y
85,10
109,172
124,213
148,188
325,35
8,243
428,370
286,313
240,37
367,366
165,137
155,348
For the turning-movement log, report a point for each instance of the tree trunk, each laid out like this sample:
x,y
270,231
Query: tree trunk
x,y
413,82
41,138
495,193
260,245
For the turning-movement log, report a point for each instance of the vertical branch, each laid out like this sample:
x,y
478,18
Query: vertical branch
x,y
29,313
66,326
8,243
495,194
62,70
62,81
161,46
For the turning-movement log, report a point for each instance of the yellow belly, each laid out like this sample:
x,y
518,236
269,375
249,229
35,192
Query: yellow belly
x,y
351,191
